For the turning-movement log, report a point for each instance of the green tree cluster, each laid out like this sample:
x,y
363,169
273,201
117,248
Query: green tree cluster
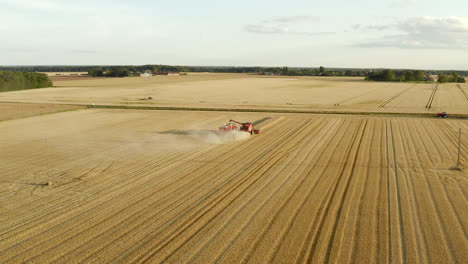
x,y
15,80
452,77
307,71
98,72
397,76
114,71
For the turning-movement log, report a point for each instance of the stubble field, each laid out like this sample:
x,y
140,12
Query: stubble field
x,y
9,111
120,186
241,91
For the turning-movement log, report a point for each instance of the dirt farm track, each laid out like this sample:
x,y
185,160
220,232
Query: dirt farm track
x,y
132,186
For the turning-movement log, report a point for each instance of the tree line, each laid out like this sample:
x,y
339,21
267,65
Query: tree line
x,y
411,76
321,71
15,80
397,76
132,70
111,72
122,71
452,77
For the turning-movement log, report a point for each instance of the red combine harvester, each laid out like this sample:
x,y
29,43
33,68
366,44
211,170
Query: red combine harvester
x,y
245,126
442,115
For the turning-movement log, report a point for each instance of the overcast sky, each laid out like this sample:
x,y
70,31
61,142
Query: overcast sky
x,y
419,34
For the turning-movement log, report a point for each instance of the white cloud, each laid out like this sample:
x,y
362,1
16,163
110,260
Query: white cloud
x,y
292,19
360,27
282,25
265,29
423,33
378,27
404,3
43,5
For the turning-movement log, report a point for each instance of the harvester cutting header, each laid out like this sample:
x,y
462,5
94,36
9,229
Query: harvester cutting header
x,y
244,126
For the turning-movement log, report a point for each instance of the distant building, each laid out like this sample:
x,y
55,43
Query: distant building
x,y
165,73
429,78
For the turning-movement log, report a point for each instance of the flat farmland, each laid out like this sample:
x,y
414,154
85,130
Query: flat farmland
x,y
10,111
241,91
120,186
450,97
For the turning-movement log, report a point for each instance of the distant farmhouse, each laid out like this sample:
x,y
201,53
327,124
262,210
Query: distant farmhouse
x,y
166,73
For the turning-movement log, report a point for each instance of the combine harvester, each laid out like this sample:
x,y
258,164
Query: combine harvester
x,y
245,126
442,115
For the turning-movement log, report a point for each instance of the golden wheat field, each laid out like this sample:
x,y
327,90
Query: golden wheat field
x,y
128,186
123,185
242,91
10,111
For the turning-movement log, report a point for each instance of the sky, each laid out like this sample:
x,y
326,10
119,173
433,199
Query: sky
x,y
411,34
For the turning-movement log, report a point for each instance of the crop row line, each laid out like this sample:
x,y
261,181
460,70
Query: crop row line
x,y
182,196
279,175
206,209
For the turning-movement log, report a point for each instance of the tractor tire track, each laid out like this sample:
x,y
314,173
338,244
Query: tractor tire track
x,y
171,206
401,228
186,224
463,91
386,102
434,206
302,141
431,97
309,188
309,252
142,199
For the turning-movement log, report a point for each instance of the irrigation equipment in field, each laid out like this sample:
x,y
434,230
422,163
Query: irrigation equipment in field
x,y
148,74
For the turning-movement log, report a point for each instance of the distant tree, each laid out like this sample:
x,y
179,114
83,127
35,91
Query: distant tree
x,y
122,72
98,72
307,72
401,76
156,68
117,72
408,76
419,75
360,73
452,77
388,75
442,78
321,69
12,81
